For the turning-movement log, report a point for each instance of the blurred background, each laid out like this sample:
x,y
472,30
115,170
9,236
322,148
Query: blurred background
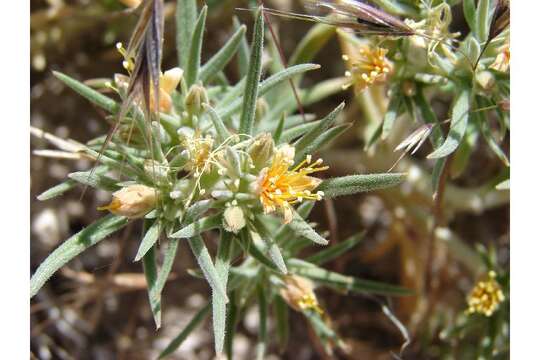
x,y
96,307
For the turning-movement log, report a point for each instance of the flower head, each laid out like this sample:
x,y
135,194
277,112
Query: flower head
x,y
298,294
199,149
280,187
486,296
132,201
367,65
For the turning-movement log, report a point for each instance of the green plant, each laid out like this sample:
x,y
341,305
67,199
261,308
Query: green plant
x,y
217,158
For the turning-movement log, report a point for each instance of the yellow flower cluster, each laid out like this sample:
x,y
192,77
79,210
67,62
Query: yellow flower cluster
x,y
280,187
367,66
486,296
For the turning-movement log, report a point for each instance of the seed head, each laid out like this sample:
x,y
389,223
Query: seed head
x,y
298,294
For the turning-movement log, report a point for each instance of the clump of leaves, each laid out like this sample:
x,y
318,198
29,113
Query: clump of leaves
x,y
193,155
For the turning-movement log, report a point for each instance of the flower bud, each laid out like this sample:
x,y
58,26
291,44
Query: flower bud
x,y
486,80
234,219
298,294
261,109
261,150
195,97
133,201
131,3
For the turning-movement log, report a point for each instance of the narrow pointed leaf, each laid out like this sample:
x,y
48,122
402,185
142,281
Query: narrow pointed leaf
x,y
231,326
253,77
265,86
458,126
469,10
72,247
157,278
87,92
352,184
197,319
271,246
243,51
205,263
343,282
57,190
279,129
311,135
290,134
219,303
95,180
186,16
312,43
391,115
223,56
321,141
198,227
221,130
194,60
302,228
335,251
149,239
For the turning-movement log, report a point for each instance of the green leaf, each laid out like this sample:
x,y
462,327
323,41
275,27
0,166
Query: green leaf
x,y
266,85
482,20
156,280
186,15
271,246
253,77
231,326
95,180
198,227
57,190
299,130
243,52
194,60
263,316
312,43
192,325
223,56
458,126
250,248
312,134
281,313
221,130
343,282
503,185
469,10
87,92
149,239
219,304
321,141
335,251
391,115
352,184
72,247
302,228
279,129
205,263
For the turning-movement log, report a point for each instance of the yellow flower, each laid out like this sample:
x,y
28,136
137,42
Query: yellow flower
x,y
367,65
502,61
133,201
199,149
298,294
280,187
486,296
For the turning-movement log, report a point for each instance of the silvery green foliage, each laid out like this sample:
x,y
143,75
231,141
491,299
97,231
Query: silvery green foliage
x,y
217,196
